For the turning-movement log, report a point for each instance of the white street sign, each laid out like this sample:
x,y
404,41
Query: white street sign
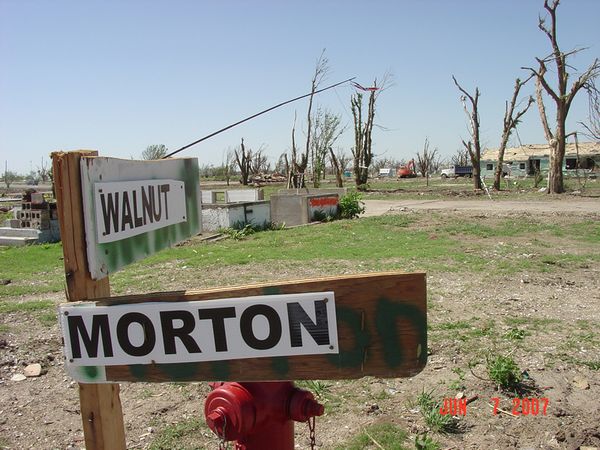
x,y
208,330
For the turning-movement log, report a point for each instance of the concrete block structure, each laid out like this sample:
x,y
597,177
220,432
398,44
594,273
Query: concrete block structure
x,y
291,209
235,215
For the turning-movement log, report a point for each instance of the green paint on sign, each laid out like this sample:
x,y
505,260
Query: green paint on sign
x,y
179,371
387,315
139,371
280,365
220,370
271,290
353,357
91,372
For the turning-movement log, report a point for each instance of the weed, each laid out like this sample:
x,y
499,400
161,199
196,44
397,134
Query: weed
x,y
377,436
425,442
238,234
458,384
430,411
516,334
503,371
4,328
319,388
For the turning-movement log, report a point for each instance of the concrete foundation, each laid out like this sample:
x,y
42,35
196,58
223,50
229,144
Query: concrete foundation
x,y
291,209
232,196
231,215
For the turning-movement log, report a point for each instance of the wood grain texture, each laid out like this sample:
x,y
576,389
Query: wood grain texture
x,y
101,411
382,331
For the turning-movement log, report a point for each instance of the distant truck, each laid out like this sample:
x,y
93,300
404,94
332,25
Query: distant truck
x,y
457,171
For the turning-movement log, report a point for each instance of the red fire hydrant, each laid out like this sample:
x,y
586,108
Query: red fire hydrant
x,y
261,415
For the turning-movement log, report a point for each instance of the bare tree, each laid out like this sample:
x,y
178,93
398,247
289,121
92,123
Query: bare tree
x,y
338,163
43,171
228,165
460,158
510,123
473,146
243,159
425,160
297,167
259,162
562,96
155,152
362,151
327,130
593,126
9,178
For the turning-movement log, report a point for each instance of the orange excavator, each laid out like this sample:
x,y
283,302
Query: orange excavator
x,y
407,171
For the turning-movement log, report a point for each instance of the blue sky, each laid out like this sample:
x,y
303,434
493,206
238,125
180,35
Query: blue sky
x,y
117,76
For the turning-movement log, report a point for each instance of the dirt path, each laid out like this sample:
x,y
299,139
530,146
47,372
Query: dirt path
x,y
567,205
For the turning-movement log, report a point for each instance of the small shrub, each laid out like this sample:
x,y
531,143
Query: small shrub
x,y
351,205
503,371
430,411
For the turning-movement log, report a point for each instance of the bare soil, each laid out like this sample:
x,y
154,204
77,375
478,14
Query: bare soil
x,y
559,310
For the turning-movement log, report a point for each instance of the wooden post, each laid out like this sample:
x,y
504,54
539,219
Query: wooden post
x,y
100,403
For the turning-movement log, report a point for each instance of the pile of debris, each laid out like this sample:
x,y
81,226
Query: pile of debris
x,y
34,221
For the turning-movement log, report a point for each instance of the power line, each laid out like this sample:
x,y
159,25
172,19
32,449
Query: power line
x,y
256,115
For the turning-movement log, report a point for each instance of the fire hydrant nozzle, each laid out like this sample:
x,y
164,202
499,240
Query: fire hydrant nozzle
x,y
259,415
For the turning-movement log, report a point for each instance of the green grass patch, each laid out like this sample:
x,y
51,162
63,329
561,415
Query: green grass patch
x,y
534,323
4,328
33,269
173,437
31,306
377,436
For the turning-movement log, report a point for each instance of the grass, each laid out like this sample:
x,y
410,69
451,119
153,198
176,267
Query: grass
x,y
377,436
171,437
30,306
427,242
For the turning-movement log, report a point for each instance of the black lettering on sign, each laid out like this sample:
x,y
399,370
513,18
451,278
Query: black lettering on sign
x,y
137,219
297,317
164,188
126,218
247,331
77,329
123,334
218,316
110,210
183,332
148,204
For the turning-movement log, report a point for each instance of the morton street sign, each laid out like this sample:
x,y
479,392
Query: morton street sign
x,y
196,331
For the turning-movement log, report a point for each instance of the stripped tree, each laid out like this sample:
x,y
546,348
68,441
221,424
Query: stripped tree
x,y
362,151
326,131
339,161
510,123
155,152
473,146
243,159
426,160
592,128
562,96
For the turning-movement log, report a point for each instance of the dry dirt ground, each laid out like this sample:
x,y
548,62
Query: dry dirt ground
x,y
559,312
